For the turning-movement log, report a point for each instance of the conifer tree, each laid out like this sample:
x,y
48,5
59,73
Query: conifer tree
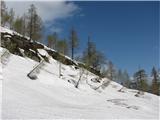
x,y
24,25
119,76
92,57
62,46
126,79
11,18
18,25
155,79
34,24
73,42
141,78
89,53
31,13
111,72
4,14
50,41
55,39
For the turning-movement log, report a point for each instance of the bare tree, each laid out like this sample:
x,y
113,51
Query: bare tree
x,y
111,71
11,18
73,42
4,14
155,85
34,23
92,57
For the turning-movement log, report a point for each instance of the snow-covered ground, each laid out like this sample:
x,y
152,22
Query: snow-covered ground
x,y
51,97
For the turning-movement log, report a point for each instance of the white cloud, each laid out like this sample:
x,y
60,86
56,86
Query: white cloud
x,y
50,11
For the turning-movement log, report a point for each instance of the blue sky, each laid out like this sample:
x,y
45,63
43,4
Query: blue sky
x,y
126,32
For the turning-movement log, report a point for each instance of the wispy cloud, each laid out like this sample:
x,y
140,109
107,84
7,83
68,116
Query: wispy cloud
x,y
50,11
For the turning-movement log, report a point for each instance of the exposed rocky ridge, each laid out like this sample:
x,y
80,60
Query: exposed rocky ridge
x,y
15,43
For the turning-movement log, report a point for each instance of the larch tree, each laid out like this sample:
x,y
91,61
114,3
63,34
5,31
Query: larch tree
x,y
18,25
11,18
119,76
141,79
37,27
62,49
50,41
89,53
111,71
73,42
92,57
31,13
24,25
155,79
126,79
99,60
55,39
34,24
62,46
4,14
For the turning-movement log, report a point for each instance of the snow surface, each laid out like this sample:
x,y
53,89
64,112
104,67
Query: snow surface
x,y
5,30
51,97
43,52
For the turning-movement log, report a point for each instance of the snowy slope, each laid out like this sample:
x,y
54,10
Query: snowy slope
x,y
51,97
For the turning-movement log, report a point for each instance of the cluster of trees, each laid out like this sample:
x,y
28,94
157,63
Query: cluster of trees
x,y
60,45
140,81
123,78
143,82
30,24
91,56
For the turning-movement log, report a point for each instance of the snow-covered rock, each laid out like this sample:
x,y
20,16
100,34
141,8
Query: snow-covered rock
x,y
43,52
5,30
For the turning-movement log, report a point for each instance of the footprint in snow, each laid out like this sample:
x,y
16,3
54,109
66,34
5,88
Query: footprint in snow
x,y
120,102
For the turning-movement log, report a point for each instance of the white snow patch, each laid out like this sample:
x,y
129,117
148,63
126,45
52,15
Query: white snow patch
x,y
43,52
5,30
